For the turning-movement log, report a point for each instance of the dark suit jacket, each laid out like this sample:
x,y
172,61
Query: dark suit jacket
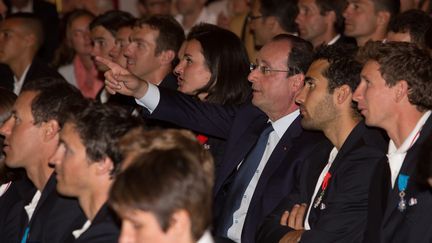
x,y
18,191
54,217
38,69
6,75
341,216
385,222
346,40
241,127
169,82
103,229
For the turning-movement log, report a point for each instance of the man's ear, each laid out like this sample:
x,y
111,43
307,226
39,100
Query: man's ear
x,y
166,57
31,40
51,129
383,18
342,94
330,17
297,81
180,223
104,166
272,23
401,90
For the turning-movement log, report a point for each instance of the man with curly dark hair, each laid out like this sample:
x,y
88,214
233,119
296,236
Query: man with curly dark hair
x,y
395,95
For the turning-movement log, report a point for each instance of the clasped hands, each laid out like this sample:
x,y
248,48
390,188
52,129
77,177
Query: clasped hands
x,y
295,220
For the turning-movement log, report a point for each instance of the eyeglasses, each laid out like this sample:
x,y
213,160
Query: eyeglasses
x,y
265,70
251,17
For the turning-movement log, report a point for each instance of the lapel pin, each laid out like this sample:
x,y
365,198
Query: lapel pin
x,y
412,201
322,206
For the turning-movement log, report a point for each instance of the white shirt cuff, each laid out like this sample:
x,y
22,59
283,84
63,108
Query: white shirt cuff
x,y
151,98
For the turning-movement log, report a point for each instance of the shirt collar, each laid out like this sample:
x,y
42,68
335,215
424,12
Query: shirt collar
x,y
19,83
332,41
281,125
412,137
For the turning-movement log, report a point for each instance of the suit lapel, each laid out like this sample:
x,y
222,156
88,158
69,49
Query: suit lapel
x,y
408,167
47,191
277,156
350,143
244,144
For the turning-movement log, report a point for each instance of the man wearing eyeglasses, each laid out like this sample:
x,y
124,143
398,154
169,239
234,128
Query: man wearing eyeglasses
x,y
330,201
265,142
272,17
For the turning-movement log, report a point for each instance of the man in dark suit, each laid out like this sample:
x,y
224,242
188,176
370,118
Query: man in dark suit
x,y
21,36
31,137
85,166
321,22
394,94
258,169
330,201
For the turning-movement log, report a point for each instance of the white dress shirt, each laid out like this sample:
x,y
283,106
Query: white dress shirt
x,y
326,169
206,238
19,83
30,208
77,233
4,188
396,156
332,41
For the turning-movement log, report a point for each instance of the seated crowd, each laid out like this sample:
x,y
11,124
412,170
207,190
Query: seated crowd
x,y
232,121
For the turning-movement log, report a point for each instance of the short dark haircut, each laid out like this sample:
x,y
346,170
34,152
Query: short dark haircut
x,y
343,67
100,127
403,61
54,97
164,181
391,6
338,7
32,23
226,58
414,22
111,20
171,34
301,55
284,10
139,141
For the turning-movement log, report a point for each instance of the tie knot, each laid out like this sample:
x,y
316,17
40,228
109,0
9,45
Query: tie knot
x,y
268,128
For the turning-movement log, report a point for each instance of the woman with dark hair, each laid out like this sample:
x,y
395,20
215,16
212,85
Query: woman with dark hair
x,y
214,67
7,100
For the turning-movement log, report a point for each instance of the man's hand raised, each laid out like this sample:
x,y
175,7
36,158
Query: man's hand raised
x,y
120,80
